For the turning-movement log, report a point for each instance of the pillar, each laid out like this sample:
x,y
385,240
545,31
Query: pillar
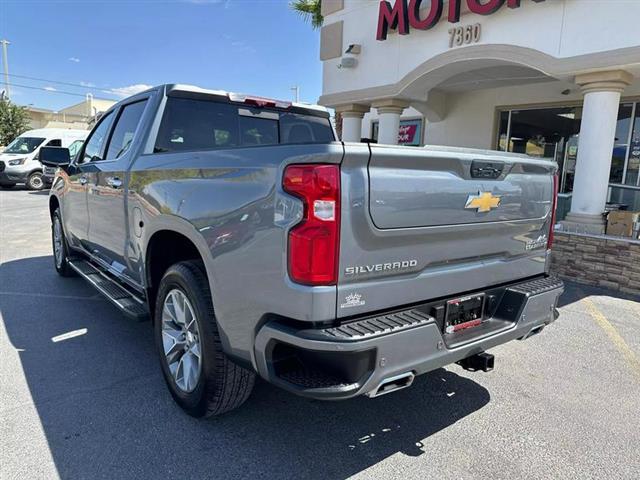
x,y
352,116
389,112
602,91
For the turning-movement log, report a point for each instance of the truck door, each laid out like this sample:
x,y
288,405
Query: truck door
x,y
75,213
108,227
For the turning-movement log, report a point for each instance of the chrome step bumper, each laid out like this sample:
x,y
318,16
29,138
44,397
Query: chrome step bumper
x,y
356,357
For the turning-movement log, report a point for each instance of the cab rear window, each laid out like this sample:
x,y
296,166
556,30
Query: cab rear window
x,y
193,124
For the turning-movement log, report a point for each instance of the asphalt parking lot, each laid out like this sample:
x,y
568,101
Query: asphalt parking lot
x,y
564,404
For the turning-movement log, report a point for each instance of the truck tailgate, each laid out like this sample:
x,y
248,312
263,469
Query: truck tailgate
x,y
426,223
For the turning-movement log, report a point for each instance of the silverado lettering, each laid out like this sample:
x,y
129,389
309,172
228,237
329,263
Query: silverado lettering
x,y
381,267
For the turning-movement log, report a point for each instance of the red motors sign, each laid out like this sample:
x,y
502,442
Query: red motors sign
x,y
405,14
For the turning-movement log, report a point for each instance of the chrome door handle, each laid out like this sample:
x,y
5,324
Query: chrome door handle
x,y
83,180
114,182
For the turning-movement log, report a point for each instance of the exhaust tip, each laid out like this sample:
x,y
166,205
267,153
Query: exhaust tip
x,y
393,384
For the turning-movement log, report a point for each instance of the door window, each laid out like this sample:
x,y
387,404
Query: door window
x,y
96,142
54,143
74,148
125,129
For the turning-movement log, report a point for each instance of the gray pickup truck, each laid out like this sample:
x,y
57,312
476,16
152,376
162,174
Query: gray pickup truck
x,y
258,244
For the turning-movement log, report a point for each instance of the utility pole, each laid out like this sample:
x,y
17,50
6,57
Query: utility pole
x,y
5,63
297,95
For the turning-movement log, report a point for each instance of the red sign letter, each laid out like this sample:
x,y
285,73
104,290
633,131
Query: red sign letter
x,y
488,8
434,14
454,11
393,18
516,3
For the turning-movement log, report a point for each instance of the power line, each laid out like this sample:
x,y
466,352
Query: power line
x,y
54,91
57,82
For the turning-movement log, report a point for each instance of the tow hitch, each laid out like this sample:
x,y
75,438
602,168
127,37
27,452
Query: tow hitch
x,y
479,362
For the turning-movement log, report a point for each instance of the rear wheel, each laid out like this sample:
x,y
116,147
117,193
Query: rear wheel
x,y
200,377
60,248
35,182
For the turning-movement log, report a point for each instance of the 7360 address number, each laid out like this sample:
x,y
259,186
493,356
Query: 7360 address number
x,y
464,35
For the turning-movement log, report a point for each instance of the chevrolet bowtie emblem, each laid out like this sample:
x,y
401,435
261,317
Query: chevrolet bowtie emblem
x,y
483,202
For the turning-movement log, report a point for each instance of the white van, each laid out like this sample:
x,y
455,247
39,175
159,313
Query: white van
x,y
19,161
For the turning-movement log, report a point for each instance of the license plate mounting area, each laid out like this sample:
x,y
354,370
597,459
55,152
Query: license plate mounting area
x,y
464,312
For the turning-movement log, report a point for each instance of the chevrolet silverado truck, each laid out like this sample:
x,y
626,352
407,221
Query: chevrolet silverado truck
x,y
258,244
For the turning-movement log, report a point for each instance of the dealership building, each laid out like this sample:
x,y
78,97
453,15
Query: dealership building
x,y
551,78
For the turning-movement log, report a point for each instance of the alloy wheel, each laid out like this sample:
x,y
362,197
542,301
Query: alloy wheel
x,y
181,340
35,182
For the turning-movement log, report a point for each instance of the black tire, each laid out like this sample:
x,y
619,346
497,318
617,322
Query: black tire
x,y
222,385
7,186
35,181
61,263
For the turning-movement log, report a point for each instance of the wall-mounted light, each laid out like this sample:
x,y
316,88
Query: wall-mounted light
x,y
354,49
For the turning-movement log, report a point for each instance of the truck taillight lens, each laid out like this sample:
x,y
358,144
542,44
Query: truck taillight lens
x,y
314,242
554,207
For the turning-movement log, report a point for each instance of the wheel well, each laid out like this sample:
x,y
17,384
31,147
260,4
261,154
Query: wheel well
x,y
53,205
163,250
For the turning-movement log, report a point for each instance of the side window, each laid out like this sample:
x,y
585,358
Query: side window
x,y
125,129
189,124
95,142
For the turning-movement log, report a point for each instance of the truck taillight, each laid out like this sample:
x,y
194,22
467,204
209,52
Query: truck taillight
x,y
554,207
314,242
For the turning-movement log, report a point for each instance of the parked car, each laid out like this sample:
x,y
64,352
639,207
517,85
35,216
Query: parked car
x,y
49,172
258,244
19,161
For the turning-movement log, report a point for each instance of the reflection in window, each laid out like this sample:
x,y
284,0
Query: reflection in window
x,y
554,133
621,144
633,165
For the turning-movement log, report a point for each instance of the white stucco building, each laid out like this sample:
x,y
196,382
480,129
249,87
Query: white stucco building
x,y
551,78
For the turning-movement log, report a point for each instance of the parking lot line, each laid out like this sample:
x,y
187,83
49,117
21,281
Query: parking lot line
x,y
619,342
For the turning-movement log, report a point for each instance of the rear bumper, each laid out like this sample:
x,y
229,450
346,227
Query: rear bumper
x,y
17,174
355,357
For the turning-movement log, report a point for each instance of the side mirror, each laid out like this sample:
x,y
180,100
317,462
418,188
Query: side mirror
x,y
55,156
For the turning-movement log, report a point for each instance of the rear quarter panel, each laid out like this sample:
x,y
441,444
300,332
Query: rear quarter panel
x,y
231,205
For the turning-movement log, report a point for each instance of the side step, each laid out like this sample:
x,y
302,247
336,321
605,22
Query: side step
x,y
125,300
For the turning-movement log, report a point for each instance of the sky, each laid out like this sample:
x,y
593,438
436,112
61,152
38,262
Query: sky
x,y
115,48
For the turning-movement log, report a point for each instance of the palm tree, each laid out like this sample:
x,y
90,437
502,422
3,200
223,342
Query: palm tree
x,y
309,10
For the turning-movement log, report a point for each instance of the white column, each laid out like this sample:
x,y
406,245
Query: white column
x,y
352,116
602,91
389,112
351,126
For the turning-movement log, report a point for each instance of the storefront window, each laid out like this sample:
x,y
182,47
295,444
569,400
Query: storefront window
x,y
502,131
555,133
409,133
621,145
633,164
545,133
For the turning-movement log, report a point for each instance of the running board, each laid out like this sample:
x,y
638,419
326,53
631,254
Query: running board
x,y
121,297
